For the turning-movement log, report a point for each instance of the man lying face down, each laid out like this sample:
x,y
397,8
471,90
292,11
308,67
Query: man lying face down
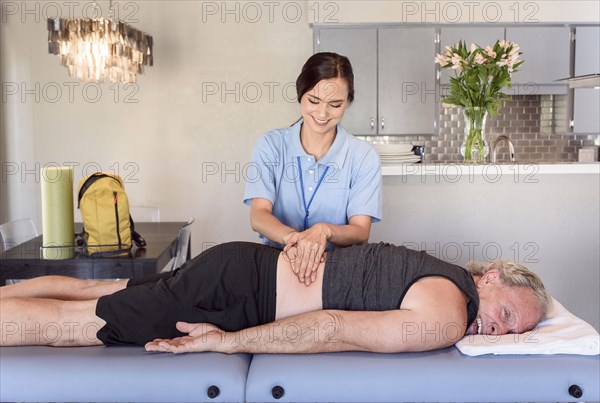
x,y
244,297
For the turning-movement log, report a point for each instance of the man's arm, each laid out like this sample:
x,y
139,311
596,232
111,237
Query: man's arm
x,y
324,331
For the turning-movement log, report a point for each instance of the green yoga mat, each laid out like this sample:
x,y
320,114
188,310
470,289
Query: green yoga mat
x,y
58,237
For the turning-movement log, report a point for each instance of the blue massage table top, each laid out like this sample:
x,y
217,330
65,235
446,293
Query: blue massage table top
x,y
436,376
129,374
119,374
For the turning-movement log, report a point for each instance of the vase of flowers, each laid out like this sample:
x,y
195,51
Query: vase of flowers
x,y
480,76
474,147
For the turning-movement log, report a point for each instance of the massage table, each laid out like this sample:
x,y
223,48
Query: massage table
x,y
558,361
119,374
434,376
129,374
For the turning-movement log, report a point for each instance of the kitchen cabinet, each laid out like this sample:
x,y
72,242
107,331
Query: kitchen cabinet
x,y
360,46
394,75
481,36
407,82
546,53
586,102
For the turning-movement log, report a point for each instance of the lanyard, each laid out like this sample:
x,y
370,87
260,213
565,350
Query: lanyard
x,y
306,207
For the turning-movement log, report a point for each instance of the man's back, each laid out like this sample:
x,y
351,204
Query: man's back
x,y
375,277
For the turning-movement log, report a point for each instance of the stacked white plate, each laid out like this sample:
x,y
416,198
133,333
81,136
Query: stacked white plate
x,y
394,154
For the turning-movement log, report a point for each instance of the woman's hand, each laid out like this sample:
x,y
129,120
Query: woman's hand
x,y
201,337
294,257
310,246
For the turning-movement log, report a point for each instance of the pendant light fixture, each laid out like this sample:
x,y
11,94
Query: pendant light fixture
x,y
99,49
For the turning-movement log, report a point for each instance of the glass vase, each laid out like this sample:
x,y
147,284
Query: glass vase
x,y
474,147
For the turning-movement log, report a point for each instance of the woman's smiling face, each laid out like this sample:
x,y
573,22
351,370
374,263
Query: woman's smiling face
x,y
324,105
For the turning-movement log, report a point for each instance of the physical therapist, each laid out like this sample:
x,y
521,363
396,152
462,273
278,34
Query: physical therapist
x,y
315,186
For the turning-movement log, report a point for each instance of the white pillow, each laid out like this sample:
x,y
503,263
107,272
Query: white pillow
x,y
561,333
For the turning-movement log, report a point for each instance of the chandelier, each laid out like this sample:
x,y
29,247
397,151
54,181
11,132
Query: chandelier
x,y
99,49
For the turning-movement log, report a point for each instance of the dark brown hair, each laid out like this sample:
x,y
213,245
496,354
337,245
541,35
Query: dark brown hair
x,y
323,66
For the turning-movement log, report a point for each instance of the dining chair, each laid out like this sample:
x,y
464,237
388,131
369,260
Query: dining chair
x,y
13,233
145,213
77,216
182,247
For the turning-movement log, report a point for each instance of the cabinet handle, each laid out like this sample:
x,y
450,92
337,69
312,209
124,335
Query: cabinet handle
x,y
382,123
372,123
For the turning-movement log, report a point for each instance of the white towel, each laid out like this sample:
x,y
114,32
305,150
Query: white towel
x,y
561,333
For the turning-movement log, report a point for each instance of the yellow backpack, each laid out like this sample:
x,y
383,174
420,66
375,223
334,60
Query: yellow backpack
x,y
107,226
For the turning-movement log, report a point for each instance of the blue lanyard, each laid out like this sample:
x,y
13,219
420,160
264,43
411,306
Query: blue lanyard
x,y
306,207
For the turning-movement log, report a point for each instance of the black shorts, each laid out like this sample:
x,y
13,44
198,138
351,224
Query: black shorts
x,y
232,286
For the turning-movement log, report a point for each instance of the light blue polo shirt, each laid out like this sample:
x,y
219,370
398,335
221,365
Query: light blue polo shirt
x,y
351,185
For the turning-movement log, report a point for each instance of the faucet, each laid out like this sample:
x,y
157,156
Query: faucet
x,y
511,147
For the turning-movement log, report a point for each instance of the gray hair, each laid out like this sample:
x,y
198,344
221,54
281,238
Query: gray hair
x,y
515,274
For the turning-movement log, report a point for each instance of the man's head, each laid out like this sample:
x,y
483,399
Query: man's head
x,y
512,299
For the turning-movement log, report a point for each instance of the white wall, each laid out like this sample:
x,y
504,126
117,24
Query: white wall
x,y
163,134
453,11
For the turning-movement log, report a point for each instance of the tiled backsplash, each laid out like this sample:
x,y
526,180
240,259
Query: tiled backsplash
x,y
534,123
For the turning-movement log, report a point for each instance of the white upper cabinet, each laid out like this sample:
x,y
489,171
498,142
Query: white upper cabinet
x,y
394,77
546,53
587,50
360,46
407,82
586,102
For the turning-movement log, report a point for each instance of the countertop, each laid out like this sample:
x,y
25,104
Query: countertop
x,y
512,168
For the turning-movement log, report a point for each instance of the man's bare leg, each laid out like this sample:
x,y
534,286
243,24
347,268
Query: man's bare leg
x,y
61,288
49,322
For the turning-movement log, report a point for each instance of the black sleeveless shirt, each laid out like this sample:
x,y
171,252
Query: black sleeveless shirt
x,y
376,277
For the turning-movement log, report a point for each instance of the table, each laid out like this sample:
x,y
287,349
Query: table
x,y
24,261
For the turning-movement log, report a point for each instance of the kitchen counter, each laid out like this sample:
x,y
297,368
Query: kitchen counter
x,y
490,170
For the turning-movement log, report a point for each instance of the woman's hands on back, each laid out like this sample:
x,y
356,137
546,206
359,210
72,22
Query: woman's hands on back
x,y
306,250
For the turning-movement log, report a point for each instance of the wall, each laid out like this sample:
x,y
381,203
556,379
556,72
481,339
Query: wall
x,y
181,137
453,12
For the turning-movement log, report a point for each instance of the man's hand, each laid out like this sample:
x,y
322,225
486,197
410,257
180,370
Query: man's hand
x,y
201,337
309,251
